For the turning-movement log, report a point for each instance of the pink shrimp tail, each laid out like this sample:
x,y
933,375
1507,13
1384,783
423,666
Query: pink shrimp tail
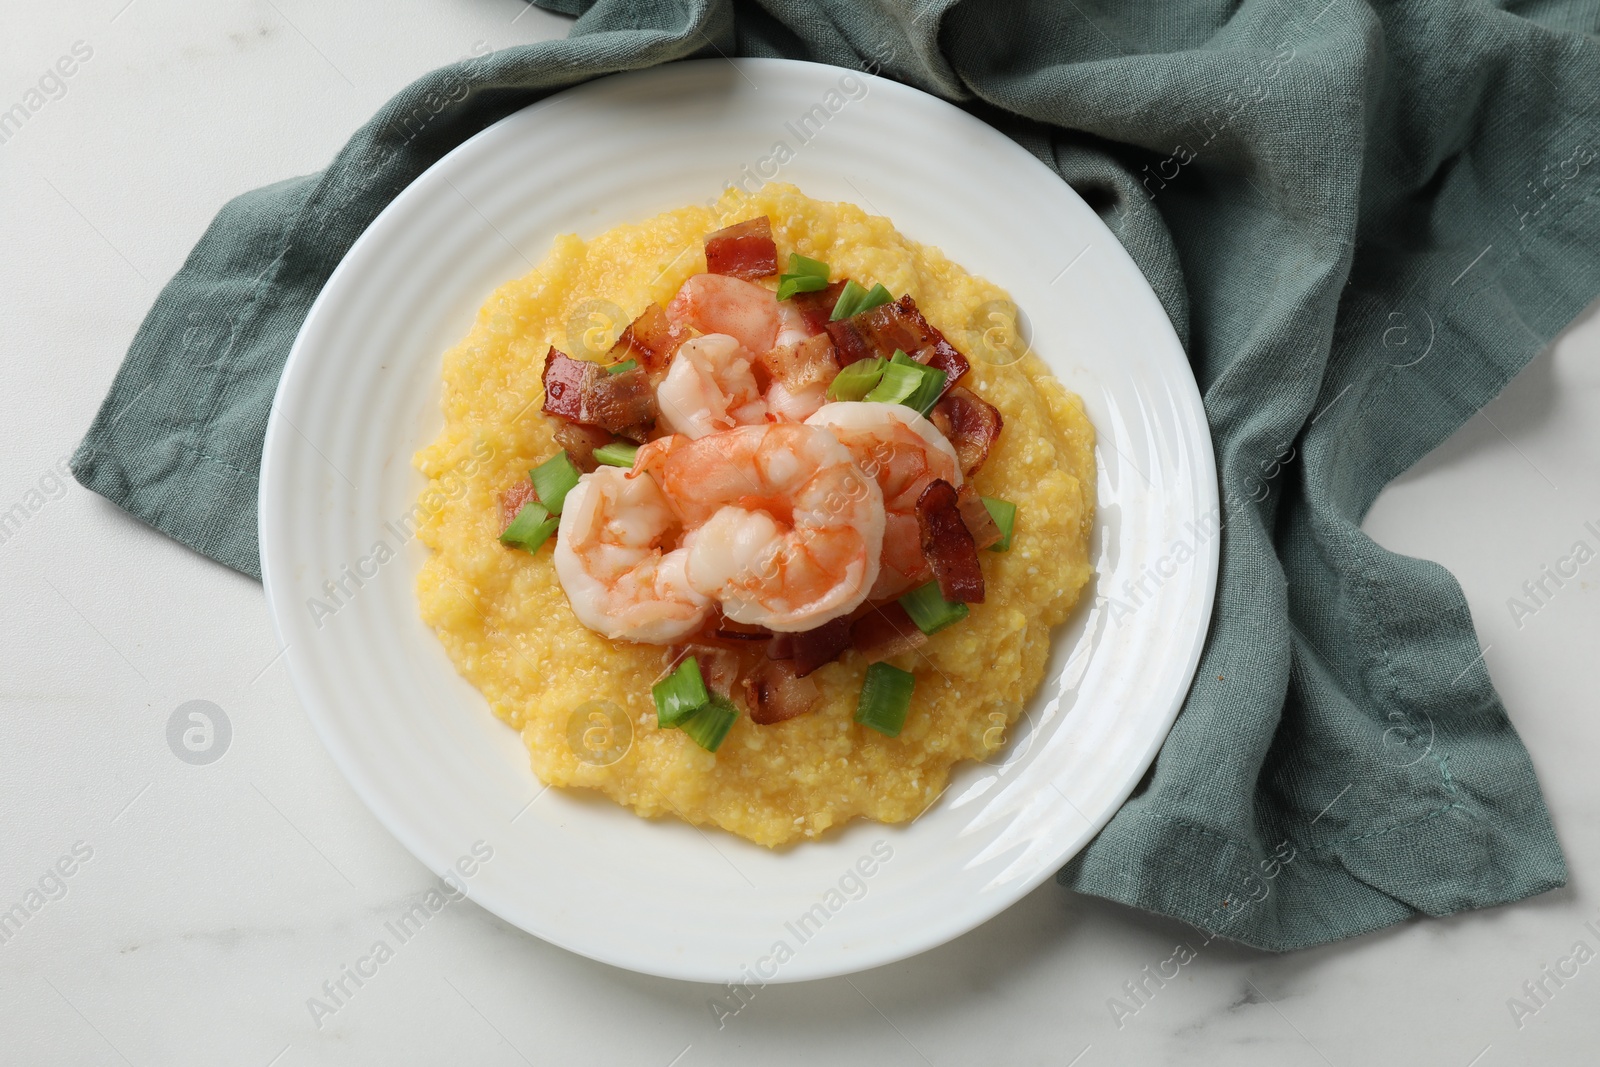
x,y
653,455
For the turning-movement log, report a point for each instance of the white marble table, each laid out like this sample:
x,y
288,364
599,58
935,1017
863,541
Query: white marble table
x,y
207,903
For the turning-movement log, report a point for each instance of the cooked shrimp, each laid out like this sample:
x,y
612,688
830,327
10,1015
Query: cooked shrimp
x,y
715,303
610,562
769,331
902,452
799,374
791,325
785,528
788,404
710,386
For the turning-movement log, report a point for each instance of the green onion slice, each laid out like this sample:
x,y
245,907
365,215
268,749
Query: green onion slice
x,y
531,528
885,698
804,276
618,368
898,384
554,479
1004,514
708,726
905,381
858,379
929,390
790,284
803,267
854,299
616,454
930,610
680,694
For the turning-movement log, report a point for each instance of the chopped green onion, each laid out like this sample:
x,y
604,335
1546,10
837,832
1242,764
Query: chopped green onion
x,y
905,381
680,694
1004,514
885,698
853,300
708,726
790,284
929,390
930,610
531,528
804,276
897,385
858,379
616,454
553,480
803,267
618,368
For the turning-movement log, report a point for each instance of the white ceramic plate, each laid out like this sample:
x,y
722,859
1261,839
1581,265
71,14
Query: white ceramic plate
x,y
419,744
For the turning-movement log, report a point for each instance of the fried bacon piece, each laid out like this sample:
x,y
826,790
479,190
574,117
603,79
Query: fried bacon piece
x,y
624,403
719,667
802,365
728,630
948,544
971,424
985,531
898,325
885,631
744,250
652,339
813,648
850,342
514,500
821,645
584,392
580,441
565,381
815,308
774,693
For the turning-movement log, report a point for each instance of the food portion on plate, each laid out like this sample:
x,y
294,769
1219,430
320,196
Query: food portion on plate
x,y
768,513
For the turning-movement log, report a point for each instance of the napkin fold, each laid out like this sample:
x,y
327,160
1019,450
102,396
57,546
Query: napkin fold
x,y
1363,218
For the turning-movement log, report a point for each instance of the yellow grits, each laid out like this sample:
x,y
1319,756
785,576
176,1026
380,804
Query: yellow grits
x,y
505,622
